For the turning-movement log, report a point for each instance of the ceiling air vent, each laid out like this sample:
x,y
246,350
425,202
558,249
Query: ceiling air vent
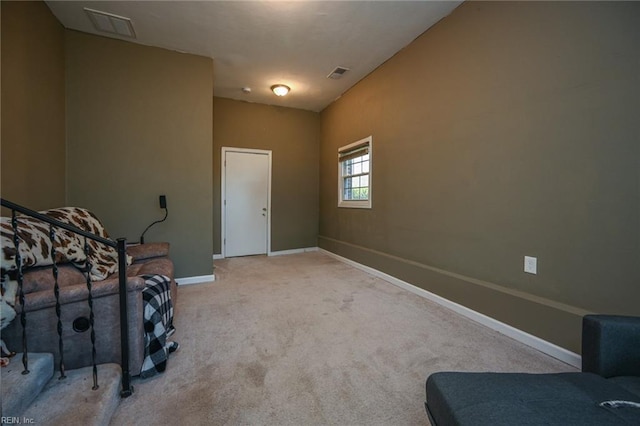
x,y
337,73
110,23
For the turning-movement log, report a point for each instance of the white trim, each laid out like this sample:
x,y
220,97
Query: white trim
x,y
196,280
218,256
226,149
356,204
293,251
543,346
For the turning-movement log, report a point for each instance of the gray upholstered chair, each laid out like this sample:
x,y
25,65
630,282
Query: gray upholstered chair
x,y
606,392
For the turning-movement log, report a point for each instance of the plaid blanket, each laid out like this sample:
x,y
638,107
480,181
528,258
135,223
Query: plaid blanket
x,y
158,324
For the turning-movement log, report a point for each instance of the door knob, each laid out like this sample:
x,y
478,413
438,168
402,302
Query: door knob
x,y
264,209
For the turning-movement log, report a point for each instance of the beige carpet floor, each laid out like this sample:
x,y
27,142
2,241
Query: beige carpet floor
x,y
305,339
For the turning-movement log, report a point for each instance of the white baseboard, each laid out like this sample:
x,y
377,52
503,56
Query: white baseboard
x,y
543,346
293,251
278,253
196,280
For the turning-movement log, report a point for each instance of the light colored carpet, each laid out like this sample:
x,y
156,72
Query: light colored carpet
x,y
307,340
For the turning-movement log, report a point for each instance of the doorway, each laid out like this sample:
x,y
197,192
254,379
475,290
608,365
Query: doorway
x,y
246,202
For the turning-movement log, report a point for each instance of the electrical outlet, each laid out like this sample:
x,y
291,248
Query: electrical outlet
x,y
531,265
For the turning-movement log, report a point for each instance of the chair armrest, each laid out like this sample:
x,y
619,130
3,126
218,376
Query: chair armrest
x,y
148,251
611,345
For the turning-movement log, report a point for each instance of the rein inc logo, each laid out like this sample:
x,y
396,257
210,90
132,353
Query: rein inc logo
x,y
17,420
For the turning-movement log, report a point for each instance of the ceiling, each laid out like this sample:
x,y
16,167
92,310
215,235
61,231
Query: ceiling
x,y
257,44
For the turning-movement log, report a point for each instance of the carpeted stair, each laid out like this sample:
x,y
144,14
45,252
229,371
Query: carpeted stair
x,y
42,397
19,390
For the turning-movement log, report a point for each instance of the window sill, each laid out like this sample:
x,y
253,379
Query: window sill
x,y
355,204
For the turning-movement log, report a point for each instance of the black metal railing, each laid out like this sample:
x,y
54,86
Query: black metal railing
x,y
120,245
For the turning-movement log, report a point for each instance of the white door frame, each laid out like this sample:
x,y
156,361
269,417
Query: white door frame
x,y
223,196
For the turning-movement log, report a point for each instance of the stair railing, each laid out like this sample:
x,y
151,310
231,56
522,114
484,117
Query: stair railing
x,y
120,245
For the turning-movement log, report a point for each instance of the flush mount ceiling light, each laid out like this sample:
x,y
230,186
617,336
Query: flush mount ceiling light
x,y
280,89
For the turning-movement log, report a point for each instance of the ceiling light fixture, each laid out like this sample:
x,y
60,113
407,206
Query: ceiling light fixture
x,y
280,89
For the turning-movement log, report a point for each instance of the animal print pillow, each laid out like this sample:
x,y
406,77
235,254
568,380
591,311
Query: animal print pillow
x,y
35,243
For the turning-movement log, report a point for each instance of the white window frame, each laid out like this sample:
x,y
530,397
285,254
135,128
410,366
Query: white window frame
x,y
355,204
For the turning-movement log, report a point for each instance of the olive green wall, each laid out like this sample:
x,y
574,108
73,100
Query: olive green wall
x,y
508,129
293,137
139,124
33,112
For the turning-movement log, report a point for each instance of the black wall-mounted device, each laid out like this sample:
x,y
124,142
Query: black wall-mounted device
x,y
163,205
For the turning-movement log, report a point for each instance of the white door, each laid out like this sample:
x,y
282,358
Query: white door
x,y
246,202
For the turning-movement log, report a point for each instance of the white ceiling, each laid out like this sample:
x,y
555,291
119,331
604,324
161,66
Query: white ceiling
x,y
260,43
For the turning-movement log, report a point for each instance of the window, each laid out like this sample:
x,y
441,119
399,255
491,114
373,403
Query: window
x,y
354,174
